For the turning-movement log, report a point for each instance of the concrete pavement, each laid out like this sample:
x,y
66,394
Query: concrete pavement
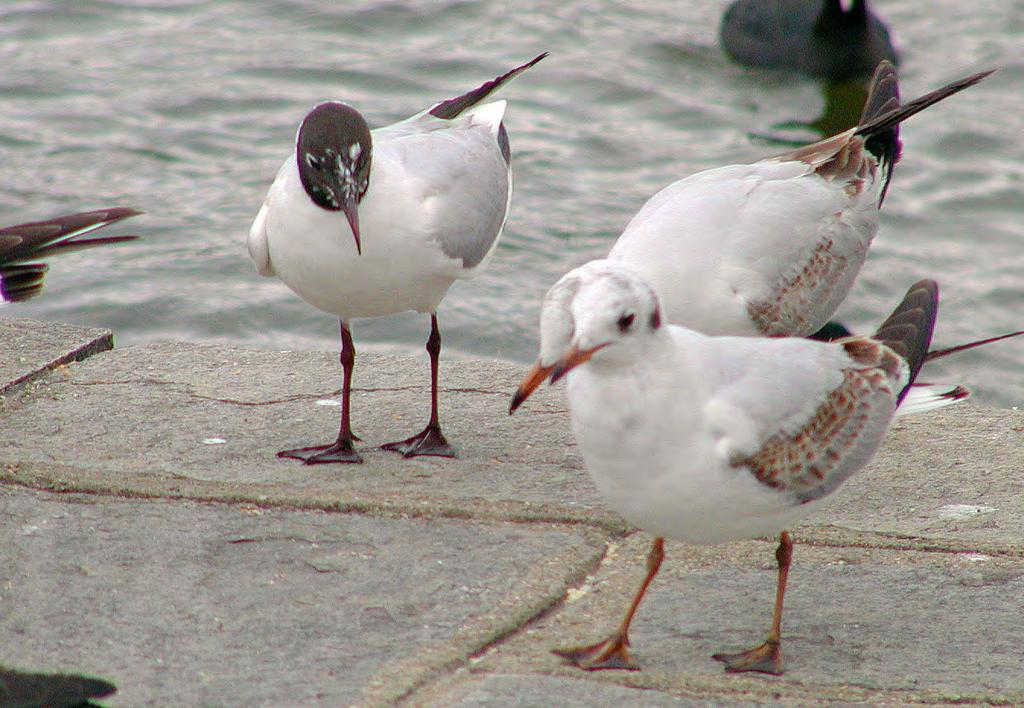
x,y
152,538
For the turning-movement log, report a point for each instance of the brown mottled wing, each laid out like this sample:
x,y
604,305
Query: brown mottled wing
x,y
846,429
843,432
802,298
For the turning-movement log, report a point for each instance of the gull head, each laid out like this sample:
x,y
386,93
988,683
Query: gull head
x,y
601,311
333,151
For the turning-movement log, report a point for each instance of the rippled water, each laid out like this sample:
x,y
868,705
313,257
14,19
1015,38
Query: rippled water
x,y
185,109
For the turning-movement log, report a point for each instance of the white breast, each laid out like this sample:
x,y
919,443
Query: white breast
x,y
411,201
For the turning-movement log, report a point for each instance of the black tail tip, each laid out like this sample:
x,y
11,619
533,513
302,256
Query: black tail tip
x,y
908,330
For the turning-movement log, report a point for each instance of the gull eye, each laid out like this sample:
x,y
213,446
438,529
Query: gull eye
x,y
625,322
312,161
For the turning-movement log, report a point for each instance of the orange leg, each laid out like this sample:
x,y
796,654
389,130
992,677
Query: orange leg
x,y
613,652
767,657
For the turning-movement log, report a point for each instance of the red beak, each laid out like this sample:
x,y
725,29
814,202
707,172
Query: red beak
x,y
351,210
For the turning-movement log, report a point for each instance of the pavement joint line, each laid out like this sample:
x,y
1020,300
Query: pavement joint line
x,y
189,389
879,540
101,343
827,536
770,688
399,681
507,511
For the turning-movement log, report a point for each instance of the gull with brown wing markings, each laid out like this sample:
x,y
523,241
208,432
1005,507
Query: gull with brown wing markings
x,y
716,439
772,248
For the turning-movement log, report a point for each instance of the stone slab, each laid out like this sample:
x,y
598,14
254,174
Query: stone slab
x,y
870,625
29,347
218,415
533,691
205,422
201,604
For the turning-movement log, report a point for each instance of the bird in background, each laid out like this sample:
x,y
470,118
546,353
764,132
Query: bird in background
x,y
367,223
819,38
716,439
772,248
24,246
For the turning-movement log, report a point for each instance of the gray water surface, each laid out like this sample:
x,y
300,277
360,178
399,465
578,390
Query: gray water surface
x,y
185,109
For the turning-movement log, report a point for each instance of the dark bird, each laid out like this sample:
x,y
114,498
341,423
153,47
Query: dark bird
x,y
24,690
24,246
815,37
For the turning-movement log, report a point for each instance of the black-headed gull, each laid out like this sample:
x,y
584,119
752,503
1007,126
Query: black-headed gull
x,y
23,246
716,439
772,248
363,223
816,37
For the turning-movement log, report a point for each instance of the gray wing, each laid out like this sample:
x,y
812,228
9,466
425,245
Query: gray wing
x,y
465,182
478,210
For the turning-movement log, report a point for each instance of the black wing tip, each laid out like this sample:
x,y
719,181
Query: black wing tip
x,y
908,330
876,121
453,107
883,113
883,92
111,214
936,353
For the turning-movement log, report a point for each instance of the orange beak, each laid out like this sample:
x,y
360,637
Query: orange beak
x,y
534,378
573,358
536,375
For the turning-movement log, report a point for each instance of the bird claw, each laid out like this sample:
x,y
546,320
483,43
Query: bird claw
x,y
430,441
338,451
612,653
766,659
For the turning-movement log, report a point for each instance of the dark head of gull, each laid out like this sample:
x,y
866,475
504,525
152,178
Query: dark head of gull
x,y
333,151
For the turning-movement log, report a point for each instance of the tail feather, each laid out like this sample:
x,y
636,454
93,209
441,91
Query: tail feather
x,y
908,330
923,397
936,353
883,98
40,238
454,106
20,276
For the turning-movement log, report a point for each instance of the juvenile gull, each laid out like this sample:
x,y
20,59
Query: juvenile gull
x,y
716,439
772,248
